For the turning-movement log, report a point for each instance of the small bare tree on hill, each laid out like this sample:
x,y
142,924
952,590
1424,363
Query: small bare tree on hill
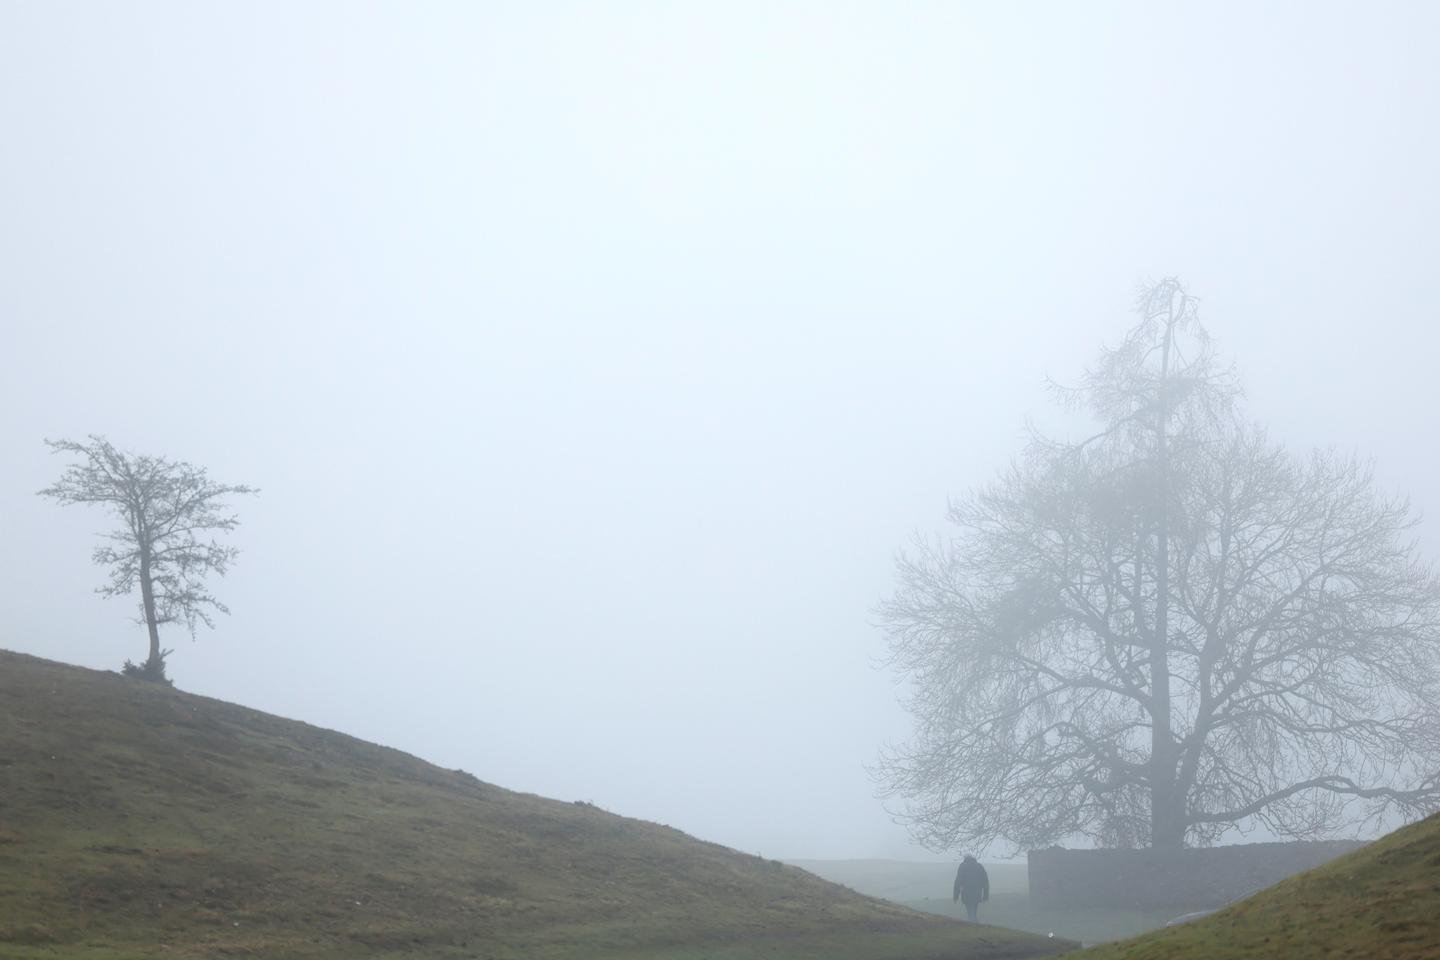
x,y
1165,631
165,508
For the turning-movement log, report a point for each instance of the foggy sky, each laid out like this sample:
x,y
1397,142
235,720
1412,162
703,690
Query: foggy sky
x,y
594,360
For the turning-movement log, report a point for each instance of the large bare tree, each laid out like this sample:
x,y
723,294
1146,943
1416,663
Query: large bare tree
x,y
1167,630
162,547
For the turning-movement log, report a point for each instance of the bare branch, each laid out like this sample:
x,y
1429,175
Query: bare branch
x,y
1300,649
165,509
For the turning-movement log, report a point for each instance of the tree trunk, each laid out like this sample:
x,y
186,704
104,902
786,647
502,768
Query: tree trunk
x,y
147,597
1167,827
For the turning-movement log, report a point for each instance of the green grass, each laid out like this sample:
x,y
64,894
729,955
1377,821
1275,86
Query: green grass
x,y
137,821
1381,901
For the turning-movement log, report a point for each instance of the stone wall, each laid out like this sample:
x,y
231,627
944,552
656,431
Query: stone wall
x,y
1201,877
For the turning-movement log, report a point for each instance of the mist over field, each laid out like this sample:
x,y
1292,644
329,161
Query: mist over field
x,y
593,361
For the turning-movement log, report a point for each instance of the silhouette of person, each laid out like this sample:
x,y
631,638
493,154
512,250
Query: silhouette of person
x,y
972,885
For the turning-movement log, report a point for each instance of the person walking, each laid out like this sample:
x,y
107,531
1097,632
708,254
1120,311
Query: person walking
x,y
972,886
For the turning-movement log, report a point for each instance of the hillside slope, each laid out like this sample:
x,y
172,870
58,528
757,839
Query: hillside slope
x,y
1381,901
140,821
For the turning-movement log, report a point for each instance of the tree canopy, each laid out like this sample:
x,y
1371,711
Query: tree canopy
x,y
165,510
1169,629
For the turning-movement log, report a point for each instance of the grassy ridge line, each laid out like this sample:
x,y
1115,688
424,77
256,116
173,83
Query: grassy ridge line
x,y
141,821
1382,901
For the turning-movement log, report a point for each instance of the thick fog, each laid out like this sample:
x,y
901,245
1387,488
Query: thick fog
x,y
595,359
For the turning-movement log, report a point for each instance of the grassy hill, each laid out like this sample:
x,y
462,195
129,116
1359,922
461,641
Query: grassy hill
x,y
1381,901
137,821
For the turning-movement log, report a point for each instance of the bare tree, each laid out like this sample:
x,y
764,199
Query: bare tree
x,y
1165,631
165,508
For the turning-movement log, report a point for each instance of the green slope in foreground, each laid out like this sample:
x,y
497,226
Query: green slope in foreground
x,y
1381,901
138,821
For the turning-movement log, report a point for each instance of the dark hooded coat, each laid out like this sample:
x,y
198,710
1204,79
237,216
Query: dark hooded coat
x,y
972,883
